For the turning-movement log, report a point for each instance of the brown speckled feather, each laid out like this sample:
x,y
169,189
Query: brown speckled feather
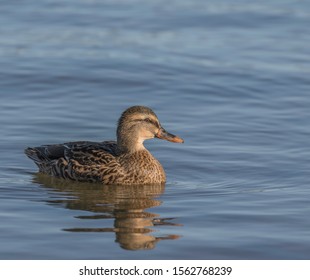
x,y
123,162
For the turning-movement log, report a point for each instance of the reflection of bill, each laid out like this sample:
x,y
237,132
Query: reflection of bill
x,y
125,204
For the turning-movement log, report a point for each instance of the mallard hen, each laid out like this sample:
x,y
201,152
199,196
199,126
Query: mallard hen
x,y
125,161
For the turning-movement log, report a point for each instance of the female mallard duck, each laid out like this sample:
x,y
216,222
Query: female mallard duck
x,y
125,161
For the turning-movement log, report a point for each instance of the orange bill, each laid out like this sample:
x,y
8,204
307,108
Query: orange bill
x,y
163,134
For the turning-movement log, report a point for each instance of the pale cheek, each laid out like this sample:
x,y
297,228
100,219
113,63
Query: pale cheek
x,y
146,135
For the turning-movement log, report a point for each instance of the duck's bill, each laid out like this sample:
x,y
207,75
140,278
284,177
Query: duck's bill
x,y
163,134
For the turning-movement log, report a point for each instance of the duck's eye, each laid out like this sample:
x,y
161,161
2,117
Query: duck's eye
x,y
148,120
153,122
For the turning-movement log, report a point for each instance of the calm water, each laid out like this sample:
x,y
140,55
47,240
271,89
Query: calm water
x,y
230,77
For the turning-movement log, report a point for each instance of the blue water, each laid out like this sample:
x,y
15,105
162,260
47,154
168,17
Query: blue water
x,y
230,77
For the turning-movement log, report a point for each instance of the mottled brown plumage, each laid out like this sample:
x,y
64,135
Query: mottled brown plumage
x,y
125,161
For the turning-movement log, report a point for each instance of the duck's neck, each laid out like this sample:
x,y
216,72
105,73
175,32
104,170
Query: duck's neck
x,y
129,143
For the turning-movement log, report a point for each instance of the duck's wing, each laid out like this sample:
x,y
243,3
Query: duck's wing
x,y
82,161
90,153
91,162
85,152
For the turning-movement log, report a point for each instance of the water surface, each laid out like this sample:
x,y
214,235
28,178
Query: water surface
x,y
231,78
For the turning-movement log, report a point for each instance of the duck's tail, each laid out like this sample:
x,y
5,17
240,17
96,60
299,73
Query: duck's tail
x,y
36,155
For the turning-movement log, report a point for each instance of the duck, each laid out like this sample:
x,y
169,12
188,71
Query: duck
x,y
125,161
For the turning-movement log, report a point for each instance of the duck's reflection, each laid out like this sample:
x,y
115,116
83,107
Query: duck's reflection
x,y
125,205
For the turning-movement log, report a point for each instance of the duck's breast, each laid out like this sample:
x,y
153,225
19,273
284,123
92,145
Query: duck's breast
x,y
141,167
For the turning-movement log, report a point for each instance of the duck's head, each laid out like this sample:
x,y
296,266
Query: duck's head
x,y
139,123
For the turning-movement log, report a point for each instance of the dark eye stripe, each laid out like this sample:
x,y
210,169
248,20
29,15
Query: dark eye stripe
x,y
152,122
147,120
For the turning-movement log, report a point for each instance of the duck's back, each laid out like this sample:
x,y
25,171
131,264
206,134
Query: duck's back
x,y
65,160
47,153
